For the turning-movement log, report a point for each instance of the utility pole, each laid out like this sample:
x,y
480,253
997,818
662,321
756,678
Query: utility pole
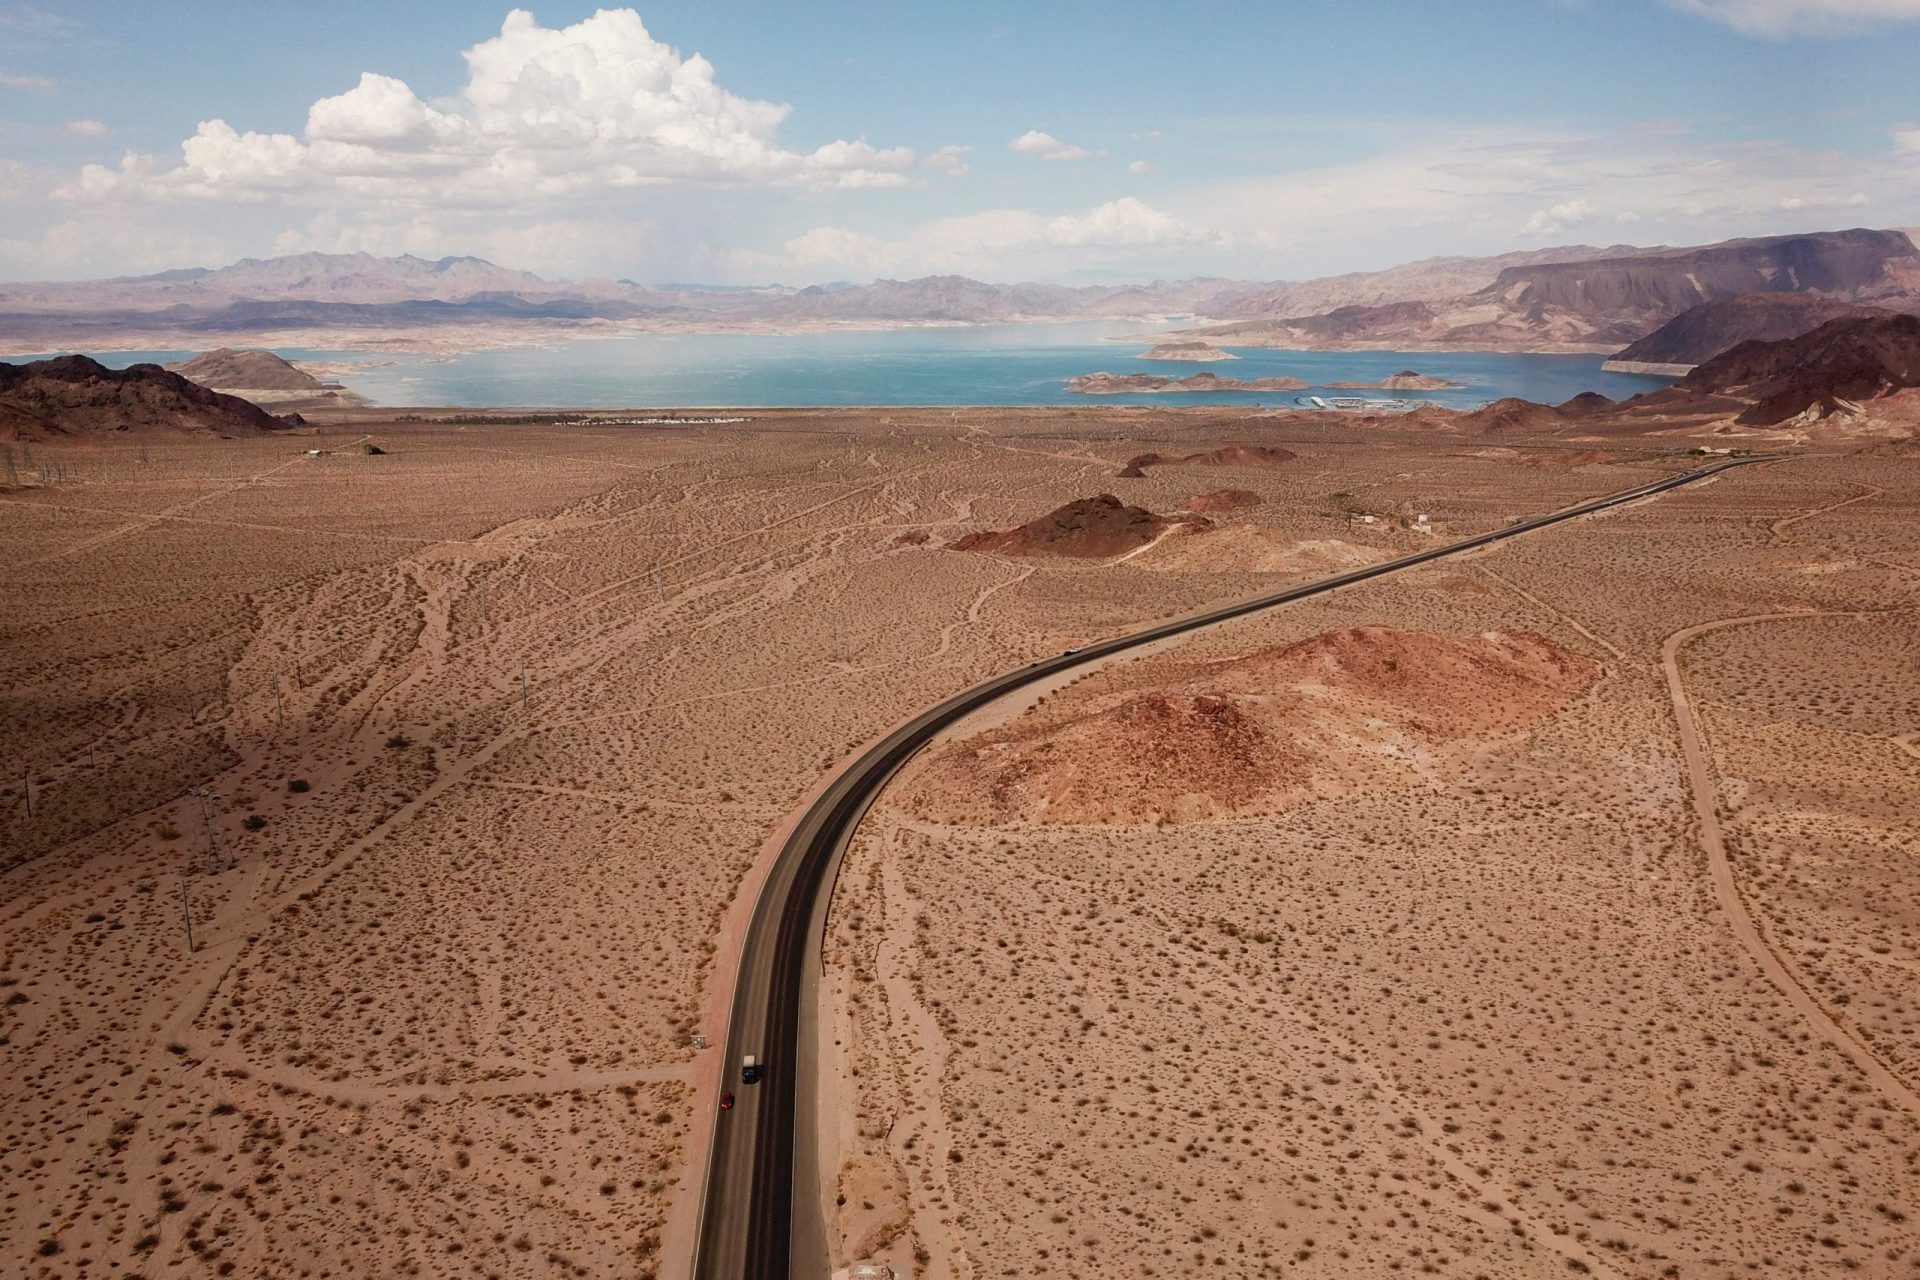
x,y
186,910
279,708
523,684
207,794
26,787
186,867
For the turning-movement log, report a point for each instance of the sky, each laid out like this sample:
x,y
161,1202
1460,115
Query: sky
x,y
754,141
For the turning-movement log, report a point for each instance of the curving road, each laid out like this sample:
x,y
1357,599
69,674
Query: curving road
x,y
747,1224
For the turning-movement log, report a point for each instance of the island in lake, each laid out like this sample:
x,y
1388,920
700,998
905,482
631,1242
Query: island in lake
x,y
1118,384
1199,352
1405,380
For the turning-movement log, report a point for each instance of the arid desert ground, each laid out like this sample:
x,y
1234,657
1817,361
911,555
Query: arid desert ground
x,y
1545,911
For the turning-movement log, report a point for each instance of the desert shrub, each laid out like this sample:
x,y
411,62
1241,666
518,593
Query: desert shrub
x,y
299,786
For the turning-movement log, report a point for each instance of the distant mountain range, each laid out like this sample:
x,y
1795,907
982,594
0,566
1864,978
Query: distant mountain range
x,y
1606,300
1572,298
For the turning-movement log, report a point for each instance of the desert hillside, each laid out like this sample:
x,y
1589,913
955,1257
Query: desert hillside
x,y
228,369
77,396
1087,528
1161,740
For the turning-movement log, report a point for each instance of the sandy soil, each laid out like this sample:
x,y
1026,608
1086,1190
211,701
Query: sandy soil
x,y
1619,986
496,724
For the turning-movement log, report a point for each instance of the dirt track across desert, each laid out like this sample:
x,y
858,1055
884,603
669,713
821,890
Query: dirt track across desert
x,y
1726,887
496,724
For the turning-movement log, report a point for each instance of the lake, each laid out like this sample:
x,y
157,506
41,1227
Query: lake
x,y
1023,364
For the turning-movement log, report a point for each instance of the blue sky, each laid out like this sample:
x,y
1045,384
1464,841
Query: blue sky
x,y
1065,141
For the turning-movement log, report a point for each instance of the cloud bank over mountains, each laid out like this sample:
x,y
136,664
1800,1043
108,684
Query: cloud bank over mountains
x,y
598,148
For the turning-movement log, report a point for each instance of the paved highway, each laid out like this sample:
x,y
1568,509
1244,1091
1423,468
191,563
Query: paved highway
x,y
748,1228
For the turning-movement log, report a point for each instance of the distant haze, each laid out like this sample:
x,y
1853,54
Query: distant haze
x,y
1569,298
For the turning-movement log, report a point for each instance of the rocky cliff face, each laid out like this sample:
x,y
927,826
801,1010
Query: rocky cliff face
x,y
1609,301
1853,359
1852,265
1700,333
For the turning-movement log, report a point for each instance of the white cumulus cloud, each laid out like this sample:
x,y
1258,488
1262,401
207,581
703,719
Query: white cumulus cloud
x,y
949,160
1776,19
85,129
1551,222
996,244
547,113
1044,146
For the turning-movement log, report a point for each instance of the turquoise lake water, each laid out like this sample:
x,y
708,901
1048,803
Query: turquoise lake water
x,y
983,364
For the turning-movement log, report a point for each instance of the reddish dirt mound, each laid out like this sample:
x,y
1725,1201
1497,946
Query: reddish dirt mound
x,y
1233,455
1862,358
1447,686
913,538
1586,404
1089,529
1169,740
1513,414
1241,455
73,395
1225,500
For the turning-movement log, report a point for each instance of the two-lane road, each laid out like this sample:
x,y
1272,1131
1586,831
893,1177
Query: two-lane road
x,y
748,1229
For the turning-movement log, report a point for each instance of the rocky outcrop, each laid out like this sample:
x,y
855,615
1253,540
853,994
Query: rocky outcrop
x,y
78,396
1172,740
1850,360
1514,415
1232,455
1702,332
1096,528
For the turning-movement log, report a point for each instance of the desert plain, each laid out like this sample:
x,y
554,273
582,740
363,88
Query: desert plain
x,y
1548,910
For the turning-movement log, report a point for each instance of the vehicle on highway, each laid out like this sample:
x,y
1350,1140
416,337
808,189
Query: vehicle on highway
x,y
726,1100
748,1212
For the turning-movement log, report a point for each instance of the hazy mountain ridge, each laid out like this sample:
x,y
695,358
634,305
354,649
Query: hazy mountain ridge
x,y
1606,302
1429,279
1701,332
1569,298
